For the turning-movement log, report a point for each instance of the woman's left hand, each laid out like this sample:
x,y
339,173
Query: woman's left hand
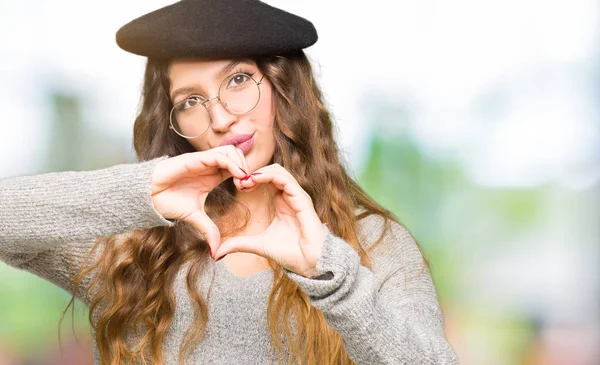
x,y
295,237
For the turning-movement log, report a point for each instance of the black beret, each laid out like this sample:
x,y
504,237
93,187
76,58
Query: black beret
x,y
216,29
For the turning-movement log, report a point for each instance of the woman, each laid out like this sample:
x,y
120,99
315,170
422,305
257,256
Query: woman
x,y
239,238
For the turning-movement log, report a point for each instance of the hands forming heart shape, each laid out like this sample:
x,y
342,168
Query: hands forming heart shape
x,y
295,237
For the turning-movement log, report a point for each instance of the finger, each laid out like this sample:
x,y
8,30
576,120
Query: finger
x,y
238,156
248,244
245,189
283,181
235,154
296,197
244,164
208,228
212,160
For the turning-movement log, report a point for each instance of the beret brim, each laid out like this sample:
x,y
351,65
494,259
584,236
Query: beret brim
x,y
216,29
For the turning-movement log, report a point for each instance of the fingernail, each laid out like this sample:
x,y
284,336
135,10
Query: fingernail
x,y
256,173
246,178
220,258
244,171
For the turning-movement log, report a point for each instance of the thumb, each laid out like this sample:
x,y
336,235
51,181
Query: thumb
x,y
249,244
202,222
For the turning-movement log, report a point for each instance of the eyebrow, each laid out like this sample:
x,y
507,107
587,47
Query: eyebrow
x,y
223,71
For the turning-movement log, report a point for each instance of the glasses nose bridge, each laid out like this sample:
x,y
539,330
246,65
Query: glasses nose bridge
x,y
216,117
206,102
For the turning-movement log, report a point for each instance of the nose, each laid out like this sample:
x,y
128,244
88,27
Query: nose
x,y
220,118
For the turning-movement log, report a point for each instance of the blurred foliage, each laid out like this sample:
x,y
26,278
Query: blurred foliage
x,y
415,188
30,317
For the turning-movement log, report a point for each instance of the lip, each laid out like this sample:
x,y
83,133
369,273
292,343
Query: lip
x,y
245,146
237,139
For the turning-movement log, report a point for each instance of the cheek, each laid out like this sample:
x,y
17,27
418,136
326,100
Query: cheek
x,y
200,145
267,111
265,120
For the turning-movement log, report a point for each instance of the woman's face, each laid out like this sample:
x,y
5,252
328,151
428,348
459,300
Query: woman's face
x,y
199,80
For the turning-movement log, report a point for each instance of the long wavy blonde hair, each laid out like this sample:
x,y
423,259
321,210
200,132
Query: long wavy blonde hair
x,y
132,289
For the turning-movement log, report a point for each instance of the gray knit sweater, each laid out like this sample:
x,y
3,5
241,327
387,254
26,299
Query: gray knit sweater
x,y
389,315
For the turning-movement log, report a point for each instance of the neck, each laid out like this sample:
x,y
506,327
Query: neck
x,y
258,202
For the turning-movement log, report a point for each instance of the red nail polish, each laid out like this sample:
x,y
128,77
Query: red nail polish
x,y
256,173
244,171
246,178
220,258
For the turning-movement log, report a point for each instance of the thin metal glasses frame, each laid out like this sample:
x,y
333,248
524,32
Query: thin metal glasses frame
x,y
206,102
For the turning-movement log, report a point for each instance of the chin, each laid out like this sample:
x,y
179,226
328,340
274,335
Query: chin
x,y
257,163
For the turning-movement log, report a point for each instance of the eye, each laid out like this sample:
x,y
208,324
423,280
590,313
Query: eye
x,y
188,103
238,80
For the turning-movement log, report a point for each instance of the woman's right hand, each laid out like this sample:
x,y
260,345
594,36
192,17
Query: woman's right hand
x,y
181,184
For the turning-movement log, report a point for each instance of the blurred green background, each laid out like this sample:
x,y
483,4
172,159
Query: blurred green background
x,y
475,123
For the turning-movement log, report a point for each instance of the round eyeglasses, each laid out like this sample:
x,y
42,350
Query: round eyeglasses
x,y
239,94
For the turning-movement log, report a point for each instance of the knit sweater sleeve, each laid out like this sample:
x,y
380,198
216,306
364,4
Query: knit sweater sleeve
x,y
49,222
388,316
